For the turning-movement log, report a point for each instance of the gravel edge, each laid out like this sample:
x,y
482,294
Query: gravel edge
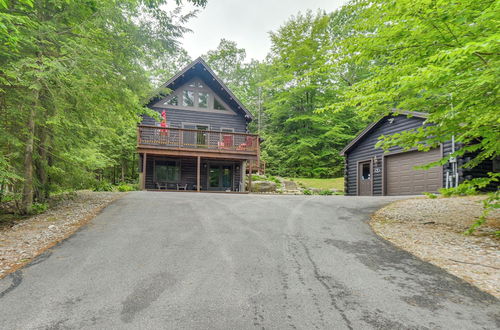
x,y
381,226
67,233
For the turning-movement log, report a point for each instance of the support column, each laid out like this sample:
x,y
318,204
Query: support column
x,y
198,166
144,165
243,174
250,177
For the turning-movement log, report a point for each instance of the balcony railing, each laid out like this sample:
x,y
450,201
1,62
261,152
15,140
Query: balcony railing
x,y
184,138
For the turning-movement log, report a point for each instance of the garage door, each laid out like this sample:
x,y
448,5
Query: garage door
x,y
402,179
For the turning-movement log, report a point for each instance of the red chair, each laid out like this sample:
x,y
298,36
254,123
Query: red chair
x,y
227,141
249,143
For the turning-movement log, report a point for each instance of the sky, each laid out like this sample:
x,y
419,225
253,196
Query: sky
x,y
248,22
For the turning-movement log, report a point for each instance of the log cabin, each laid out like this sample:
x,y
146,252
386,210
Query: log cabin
x,y
201,142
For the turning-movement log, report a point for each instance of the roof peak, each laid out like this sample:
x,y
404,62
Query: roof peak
x,y
393,112
223,86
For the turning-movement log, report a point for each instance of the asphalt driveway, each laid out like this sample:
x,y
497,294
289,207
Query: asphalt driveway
x,y
214,261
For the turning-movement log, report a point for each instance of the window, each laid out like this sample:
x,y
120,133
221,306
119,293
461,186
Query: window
x,y
203,100
167,171
365,175
173,101
218,105
195,84
227,130
188,98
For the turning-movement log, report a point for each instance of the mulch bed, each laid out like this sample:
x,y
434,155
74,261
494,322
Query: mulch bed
x,y
432,230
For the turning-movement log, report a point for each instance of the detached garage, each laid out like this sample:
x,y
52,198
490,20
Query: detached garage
x,y
371,171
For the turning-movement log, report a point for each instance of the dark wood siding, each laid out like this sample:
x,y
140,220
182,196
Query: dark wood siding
x,y
188,171
365,150
175,118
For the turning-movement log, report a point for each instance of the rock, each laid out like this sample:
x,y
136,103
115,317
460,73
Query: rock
x,y
315,190
52,227
290,185
263,186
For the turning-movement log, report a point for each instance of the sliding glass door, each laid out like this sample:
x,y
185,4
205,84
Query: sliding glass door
x,y
220,177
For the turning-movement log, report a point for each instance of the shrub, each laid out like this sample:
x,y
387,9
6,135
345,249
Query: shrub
x,y
430,195
307,192
461,190
273,179
38,208
124,187
9,197
256,177
103,186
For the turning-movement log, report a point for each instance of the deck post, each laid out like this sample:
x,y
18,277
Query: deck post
x,y
198,165
143,181
250,178
243,173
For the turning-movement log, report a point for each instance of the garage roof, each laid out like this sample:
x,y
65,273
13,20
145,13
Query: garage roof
x,y
369,128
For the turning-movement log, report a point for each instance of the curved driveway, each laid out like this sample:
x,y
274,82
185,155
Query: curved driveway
x,y
214,261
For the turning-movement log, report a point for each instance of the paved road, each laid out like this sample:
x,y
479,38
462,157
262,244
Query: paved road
x,y
214,261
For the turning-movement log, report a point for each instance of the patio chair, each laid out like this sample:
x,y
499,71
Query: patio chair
x,y
161,185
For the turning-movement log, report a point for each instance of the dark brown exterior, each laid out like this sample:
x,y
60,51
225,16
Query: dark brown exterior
x,y
198,140
393,171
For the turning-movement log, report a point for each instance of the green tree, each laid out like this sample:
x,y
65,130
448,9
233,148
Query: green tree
x,y
243,77
439,57
302,79
72,85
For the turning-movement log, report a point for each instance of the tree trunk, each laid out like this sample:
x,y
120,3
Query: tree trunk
x,y
43,192
124,169
27,201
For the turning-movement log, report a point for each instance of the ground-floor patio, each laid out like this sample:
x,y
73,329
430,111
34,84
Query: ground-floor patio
x,y
193,173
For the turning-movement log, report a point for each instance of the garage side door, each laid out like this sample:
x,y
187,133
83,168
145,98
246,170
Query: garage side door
x,y
402,179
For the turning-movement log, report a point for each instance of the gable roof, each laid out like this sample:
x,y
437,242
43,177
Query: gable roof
x,y
200,68
372,126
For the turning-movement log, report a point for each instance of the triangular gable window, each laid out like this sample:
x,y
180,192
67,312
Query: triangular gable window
x,y
173,101
218,105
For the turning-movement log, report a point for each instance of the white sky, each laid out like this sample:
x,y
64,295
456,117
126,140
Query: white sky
x,y
245,21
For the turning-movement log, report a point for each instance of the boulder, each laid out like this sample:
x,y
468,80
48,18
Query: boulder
x,y
290,185
263,186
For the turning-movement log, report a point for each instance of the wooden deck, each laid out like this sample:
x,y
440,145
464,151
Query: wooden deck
x,y
190,142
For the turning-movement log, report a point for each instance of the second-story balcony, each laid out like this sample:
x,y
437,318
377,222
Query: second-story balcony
x,y
205,141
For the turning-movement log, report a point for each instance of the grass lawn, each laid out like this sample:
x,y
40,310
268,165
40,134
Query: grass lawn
x,y
335,183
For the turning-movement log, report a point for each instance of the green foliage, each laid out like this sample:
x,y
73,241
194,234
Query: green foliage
x,y
256,177
325,193
307,192
103,186
300,81
80,71
38,208
437,57
430,195
489,204
461,190
124,187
